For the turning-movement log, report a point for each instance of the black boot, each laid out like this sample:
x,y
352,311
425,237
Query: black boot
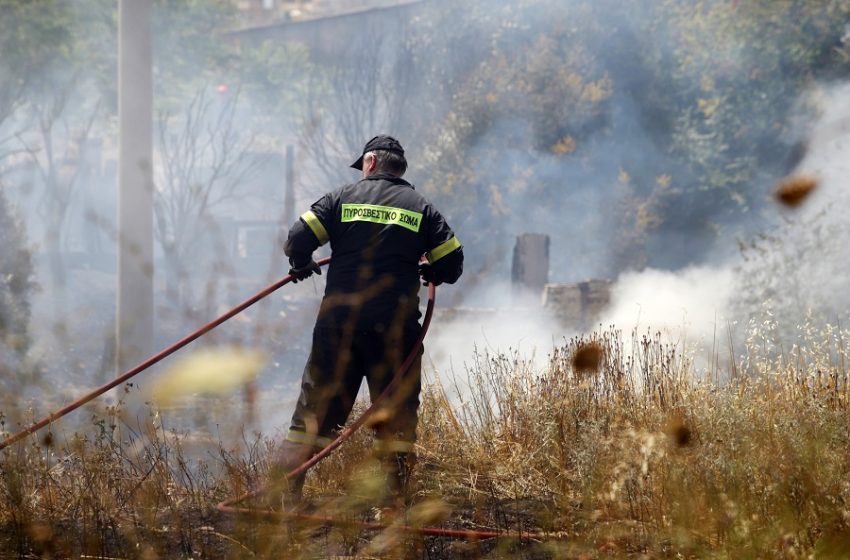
x,y
281,488
398,467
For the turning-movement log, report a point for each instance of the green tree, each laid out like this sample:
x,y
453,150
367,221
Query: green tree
x,y
16,286
691,101
203,159
32,35
520,113
727,76
52,102
217,103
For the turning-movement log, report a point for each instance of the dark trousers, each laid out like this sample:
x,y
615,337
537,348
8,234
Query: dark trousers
x,y
338,362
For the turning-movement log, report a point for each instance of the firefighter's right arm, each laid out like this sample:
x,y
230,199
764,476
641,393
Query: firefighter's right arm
x,y
301,242
306,235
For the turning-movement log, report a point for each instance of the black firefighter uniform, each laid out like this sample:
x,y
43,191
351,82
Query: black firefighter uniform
x,y
368,321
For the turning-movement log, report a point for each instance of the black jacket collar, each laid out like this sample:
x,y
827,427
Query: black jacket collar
x,y
387,177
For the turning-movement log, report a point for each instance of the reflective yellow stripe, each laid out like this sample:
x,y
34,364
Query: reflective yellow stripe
x,y
311,220
393,446
442,250
296,436
388,215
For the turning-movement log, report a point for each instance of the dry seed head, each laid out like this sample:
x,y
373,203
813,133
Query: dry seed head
x,y
40,532
588,357
794,189
678,431
209,371
430,512
379,418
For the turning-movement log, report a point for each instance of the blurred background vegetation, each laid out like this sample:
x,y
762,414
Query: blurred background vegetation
x,y
639,135
500,104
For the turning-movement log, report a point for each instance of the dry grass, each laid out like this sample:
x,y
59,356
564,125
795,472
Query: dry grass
x,y
638,459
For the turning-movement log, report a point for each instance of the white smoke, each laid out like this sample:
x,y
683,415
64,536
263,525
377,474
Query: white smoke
x,y
690,307
687,302
519,328
828,148
799,267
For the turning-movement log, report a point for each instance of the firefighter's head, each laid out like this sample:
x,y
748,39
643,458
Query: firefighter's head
x,y
382,154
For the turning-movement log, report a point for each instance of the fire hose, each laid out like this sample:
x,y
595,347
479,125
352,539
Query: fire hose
x,y
230,506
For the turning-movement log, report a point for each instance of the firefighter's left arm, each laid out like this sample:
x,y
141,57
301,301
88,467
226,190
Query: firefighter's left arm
x,y
447,268
445,253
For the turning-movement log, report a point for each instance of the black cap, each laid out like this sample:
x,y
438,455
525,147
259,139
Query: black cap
x,y
379,142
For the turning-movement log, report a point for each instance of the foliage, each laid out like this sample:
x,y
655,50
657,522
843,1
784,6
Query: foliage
x,y
549,101
51,45
189,50
202,162
192,52
695,102
51,106
221,107
738,68
351,99
520,109
32,36
724,81
16,287
273,78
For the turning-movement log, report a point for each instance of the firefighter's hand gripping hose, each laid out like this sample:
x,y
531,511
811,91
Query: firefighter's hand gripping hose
x,y
230,506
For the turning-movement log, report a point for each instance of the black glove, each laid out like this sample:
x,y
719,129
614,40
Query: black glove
x,y
426,271
305,271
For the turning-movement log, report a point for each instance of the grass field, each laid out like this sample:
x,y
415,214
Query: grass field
x,y
617,448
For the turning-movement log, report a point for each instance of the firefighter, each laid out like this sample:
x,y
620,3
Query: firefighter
x,y
368,322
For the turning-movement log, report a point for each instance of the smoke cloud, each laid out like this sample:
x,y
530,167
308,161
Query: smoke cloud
x,y
798,269
519,327
690,306
827,154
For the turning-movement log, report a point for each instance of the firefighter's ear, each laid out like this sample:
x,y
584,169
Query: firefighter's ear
x,y
370,162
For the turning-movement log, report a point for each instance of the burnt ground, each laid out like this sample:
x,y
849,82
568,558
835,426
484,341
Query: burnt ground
x,y
213,535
